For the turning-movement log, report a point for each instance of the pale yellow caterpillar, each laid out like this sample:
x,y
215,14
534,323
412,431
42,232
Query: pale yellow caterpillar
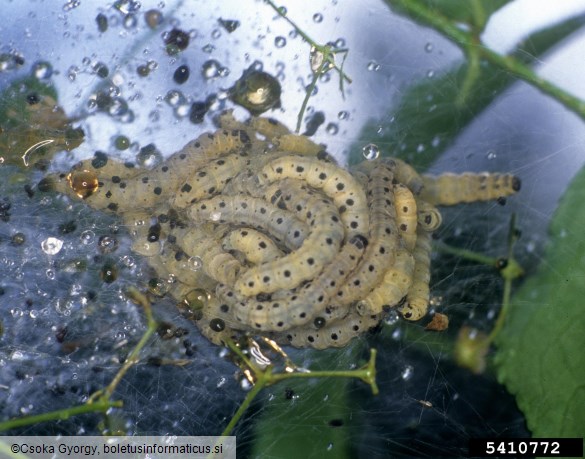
x,y
429,217
383,240
298,144
336,183
404,173
450,189
254,245
244,210
296,307
199,152
215,262
209,180
417,299
406,215
393,288
268,127
319,247
334,334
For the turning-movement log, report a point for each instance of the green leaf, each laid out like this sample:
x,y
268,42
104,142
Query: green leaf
x,y
540,354
431,113
471,11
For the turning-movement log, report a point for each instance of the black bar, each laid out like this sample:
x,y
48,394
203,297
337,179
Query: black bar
x,y
526,447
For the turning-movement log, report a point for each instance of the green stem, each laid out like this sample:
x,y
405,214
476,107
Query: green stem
x,y
258,386
466,254
465,40
99,406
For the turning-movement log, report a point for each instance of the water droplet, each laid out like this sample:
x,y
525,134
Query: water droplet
x,y
158,287
208,48
430,74
229,24
52,245
149,156
42,70
109,272
128,261
130,21
122,142
371,151
407,372
176,40
329,446
280,42
50,273
175,98
491,154
343,115
84,183
195,263
71,4
420,148
211,69
107,244
153,18
429,47
392,317
221,382
373,66
317,17
102,22
181,75
332,129
87,237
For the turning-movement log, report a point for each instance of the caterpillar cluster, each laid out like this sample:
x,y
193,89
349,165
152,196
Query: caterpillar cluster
x,y
256,230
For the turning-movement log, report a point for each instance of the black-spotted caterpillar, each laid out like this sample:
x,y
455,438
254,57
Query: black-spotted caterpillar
x,y
255,230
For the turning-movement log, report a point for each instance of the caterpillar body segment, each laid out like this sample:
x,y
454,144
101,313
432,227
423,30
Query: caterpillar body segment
x,y
450,189
393,288
300,306
215,262
335,334
325,237
244,210
337,183
417,299
429,217
199,152
210,180
383,240
406,214
268,127
299,144
256,246
406,174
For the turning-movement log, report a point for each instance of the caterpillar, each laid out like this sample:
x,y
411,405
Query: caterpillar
x,y
417,299
298,307
210,179
299,144
450,189
335,334
384,237
406,214
256,246
319,247
244,210
429,218
215,262
393,288
336,183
